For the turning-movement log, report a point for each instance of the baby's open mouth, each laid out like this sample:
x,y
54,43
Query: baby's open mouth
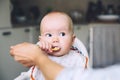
x,y
55,48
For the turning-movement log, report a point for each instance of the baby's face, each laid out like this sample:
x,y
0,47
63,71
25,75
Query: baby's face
x,y
56,31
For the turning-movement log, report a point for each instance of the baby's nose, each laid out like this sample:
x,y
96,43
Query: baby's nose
x,y
55,39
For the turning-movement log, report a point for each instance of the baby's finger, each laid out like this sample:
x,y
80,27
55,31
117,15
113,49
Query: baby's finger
x,y
43,45
40,44
48,46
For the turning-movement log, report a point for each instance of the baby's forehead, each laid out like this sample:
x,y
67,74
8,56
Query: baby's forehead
x,y
56,28
57,17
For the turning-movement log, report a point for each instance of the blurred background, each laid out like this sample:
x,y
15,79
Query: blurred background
x,y
96,24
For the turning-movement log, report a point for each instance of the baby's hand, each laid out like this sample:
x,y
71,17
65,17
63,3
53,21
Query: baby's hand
x,y
45,46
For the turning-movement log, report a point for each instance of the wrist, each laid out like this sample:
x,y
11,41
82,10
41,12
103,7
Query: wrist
x,y
41,57
41,62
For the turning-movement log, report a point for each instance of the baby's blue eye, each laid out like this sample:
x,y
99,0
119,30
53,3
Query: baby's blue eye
x,y
62,34
49,35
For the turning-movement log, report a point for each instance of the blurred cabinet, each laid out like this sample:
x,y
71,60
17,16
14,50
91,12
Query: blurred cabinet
x,y
9,69
104,44
102,41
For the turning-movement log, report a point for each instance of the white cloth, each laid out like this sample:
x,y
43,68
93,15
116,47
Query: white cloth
x,y
109,73
78,44
24,76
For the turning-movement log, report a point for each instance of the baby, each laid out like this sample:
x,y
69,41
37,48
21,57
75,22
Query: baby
x,y
56,40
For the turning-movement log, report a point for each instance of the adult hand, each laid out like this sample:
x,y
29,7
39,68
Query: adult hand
x,y
26,53
30,54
